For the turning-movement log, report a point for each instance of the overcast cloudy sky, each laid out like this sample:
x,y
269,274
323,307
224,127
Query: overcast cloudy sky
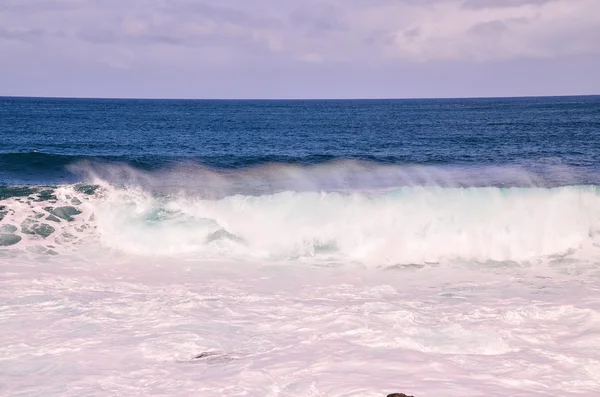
x,y
299,48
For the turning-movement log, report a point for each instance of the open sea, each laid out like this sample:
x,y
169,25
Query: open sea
x,y
443,247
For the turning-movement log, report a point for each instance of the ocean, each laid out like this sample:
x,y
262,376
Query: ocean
x,y
437,247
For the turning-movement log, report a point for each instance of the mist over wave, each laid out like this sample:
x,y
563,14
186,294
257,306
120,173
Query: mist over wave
x,y
341,175
283,172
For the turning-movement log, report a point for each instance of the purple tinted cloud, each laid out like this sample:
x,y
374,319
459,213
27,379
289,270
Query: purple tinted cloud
x,y
194,42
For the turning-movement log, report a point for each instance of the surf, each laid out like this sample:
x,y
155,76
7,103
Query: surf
x,y
407,225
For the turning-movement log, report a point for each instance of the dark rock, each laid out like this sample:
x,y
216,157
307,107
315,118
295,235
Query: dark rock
x,y
52,218
68,236
3,214
399,395
16,191
205,355
9,239
214,358
46,195
26,226
41,229
8,229
223,234
87,189
65,213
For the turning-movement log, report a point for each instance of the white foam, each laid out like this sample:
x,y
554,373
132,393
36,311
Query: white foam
x,y
159,327
407,226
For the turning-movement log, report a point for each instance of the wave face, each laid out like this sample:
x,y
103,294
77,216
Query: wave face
x,y
408,225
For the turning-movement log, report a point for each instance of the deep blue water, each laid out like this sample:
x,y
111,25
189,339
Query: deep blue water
x,y
44,140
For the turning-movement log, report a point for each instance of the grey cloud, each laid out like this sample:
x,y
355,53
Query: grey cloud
x,y
167,36
37,6
259,48
115,37
218,13
477,4
412,33
487,28
21,35
28,35
379,3
183,23
388,38
341,30
319,17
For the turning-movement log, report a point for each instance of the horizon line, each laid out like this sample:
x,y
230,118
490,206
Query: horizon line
x,y
294,99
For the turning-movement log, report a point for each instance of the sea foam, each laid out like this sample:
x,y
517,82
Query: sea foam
x,y
408,225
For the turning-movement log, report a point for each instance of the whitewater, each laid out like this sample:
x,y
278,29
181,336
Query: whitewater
x,y
405,226
121,289
300,248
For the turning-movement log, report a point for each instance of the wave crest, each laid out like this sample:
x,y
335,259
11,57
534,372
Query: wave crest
x,y
410,225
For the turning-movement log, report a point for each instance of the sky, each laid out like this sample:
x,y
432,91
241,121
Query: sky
x,y
299,48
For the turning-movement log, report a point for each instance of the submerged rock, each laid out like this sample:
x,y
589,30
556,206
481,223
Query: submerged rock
x,y
87,189
205,355
8,228
3,214
223,234
65,213
52,218
41,229
9,239
68,237
45,195
26,226
214,357
16,191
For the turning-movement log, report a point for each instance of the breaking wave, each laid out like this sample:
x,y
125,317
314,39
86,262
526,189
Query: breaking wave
x,y
413,224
